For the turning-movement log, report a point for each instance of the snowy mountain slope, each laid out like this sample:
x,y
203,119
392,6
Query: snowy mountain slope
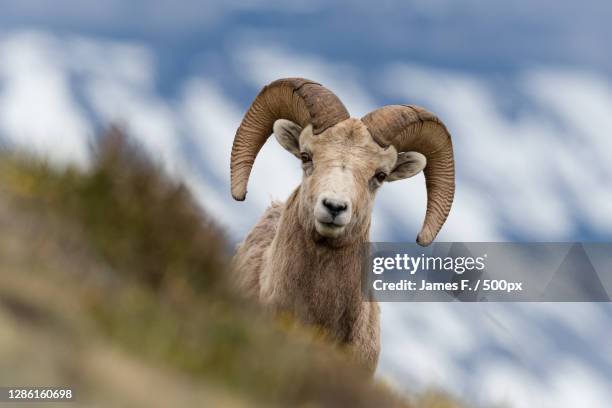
x,y
530,166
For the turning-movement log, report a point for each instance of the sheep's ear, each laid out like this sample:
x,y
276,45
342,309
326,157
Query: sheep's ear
x,y
408,164
288,135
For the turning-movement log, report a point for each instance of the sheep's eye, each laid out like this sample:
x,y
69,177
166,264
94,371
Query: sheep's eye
x,y
305,157
380,176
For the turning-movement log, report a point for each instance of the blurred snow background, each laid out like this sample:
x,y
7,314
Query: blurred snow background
x,y
525,88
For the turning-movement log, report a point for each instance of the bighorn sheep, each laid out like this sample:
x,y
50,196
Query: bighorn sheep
x,y
303,256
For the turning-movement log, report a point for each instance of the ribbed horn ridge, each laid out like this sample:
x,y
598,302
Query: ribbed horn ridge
x,y
296,99
411,128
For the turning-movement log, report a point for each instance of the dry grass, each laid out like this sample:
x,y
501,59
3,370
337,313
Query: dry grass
x,y
116,282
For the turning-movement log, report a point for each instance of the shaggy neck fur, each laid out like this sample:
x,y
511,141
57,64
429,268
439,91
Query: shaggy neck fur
x,y
316,280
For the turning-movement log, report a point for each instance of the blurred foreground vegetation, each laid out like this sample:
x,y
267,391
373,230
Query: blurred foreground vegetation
x,y
114,283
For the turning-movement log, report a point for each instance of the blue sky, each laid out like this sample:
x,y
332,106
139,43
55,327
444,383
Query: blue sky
x,y
470,34
524,87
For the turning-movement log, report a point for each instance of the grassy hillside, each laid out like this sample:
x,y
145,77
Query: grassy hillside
x,y
115,283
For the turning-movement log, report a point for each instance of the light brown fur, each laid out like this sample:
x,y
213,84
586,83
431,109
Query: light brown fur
x,y
319,284
288,264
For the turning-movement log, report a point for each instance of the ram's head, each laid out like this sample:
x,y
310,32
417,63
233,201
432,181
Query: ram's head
x,y
345,160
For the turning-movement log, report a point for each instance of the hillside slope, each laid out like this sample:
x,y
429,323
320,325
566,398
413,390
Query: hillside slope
x,y
116,284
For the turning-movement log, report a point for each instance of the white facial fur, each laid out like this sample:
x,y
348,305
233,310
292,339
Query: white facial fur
x,y
342,168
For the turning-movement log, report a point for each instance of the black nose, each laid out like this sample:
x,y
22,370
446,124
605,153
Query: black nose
x,y
334,207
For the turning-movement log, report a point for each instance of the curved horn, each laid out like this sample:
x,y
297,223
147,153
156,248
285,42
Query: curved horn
x,y
411,128
299,100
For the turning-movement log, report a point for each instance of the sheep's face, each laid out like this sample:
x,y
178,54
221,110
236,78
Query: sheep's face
x,y
343,168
